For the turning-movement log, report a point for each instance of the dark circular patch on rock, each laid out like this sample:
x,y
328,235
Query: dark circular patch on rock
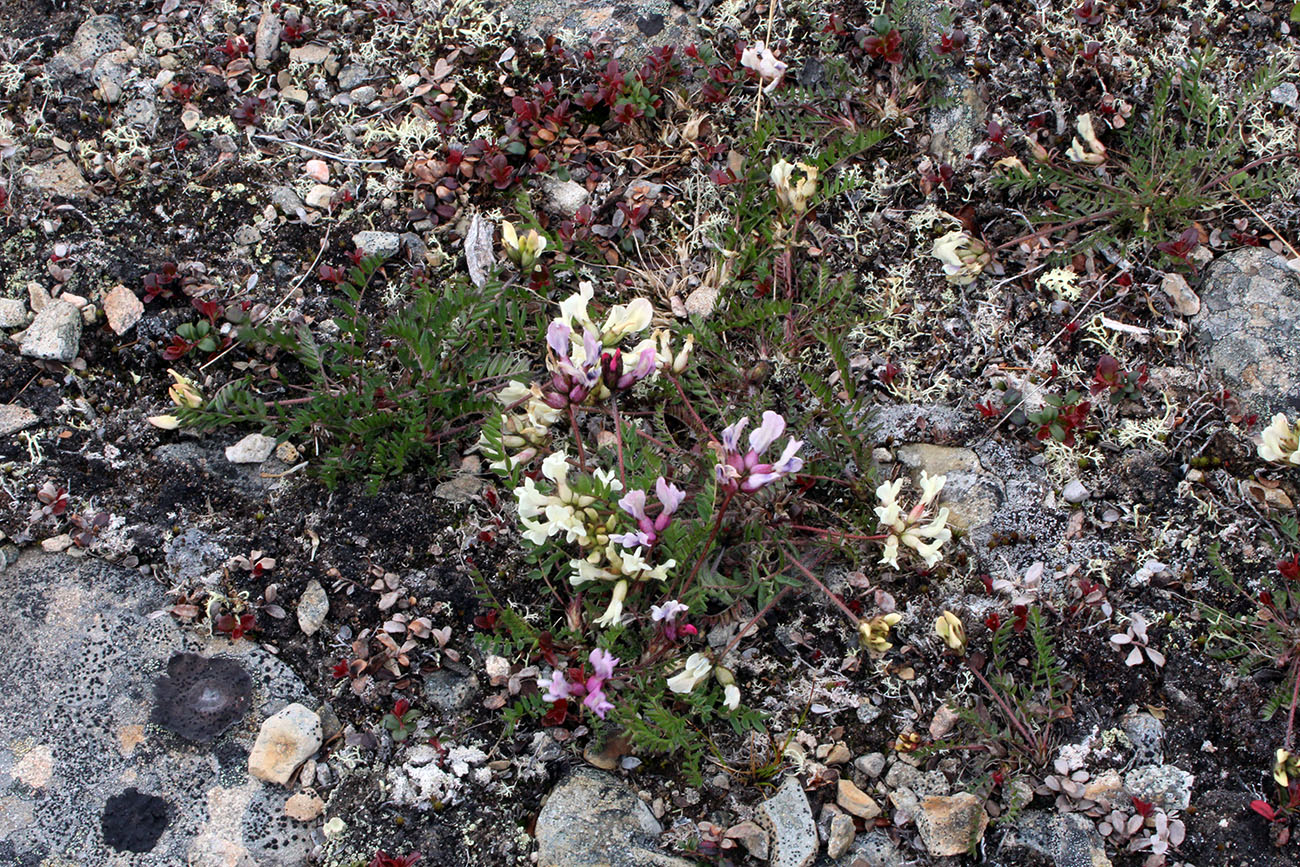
x,y
133,821
651,25
199,698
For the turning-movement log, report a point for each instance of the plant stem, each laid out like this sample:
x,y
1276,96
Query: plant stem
x,y
1047,230
1030,741
1295,697
813,578
618,436
701,427
708,544
840,534
757,617
577,438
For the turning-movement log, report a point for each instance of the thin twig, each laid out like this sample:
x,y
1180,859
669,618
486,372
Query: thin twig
x,y
320,153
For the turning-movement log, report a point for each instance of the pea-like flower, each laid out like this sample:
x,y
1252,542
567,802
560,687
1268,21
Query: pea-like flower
x,y
874,633
648,529
910,529
759,58
790,192
697,669
748,472
1280,441
1286,766
963,257
949,628
1090,151
591,690
523,251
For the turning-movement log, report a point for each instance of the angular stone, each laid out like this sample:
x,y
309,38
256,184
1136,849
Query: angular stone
x,y
312,53
841,835
856,801
938,460
57,176
563,198
287,739
752,837
1167,786
13,313
1069,839
788,820
122,309
55,333
252,449
592,819
313,605
267,38
14,418
1181,296
320,196
386,245
951,824
304,806
872,764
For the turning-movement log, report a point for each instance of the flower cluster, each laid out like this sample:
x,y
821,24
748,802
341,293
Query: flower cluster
x,y
963,257
948,626
794,194
1280,441
748,472
909,528
698,667
586,366
667,614
590,689
524,251
874,633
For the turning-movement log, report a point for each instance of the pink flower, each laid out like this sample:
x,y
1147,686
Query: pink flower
x,y
602,663
558,688
597,702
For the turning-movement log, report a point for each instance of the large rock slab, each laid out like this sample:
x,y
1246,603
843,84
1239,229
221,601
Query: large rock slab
x,y
636,26
1250,314
126,736
592,819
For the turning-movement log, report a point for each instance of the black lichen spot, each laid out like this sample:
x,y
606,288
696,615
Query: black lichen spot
x,y
651,25
199,698
133,821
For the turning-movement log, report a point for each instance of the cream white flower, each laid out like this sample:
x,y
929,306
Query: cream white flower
x,y
1280,441
731,696
874,633
909,529
573,310
523,251
1090,151
760,59
614,613
697,668
791,193
962,256
949,628
625,319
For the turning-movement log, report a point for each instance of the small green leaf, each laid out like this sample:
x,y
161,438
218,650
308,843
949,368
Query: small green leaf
x,y
1295,13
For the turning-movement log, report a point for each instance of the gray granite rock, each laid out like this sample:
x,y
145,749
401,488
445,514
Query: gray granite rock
x,y
94,766
1069,839
951,824
13,313
1167,786
592,819
1147,735
563,197
1249,317
637,26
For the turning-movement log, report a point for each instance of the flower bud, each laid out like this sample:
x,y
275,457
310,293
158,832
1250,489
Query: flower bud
x,y
949,628
684,355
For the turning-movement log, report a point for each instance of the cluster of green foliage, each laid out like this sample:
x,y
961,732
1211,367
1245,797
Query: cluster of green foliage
x,y
1182,160
387,392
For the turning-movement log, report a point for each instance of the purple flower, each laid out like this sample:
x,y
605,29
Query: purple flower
x,y
648,529
635,539
558,688
633,502
602,663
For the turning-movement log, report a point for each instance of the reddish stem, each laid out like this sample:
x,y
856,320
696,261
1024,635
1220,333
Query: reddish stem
x,y
708,544
813,578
